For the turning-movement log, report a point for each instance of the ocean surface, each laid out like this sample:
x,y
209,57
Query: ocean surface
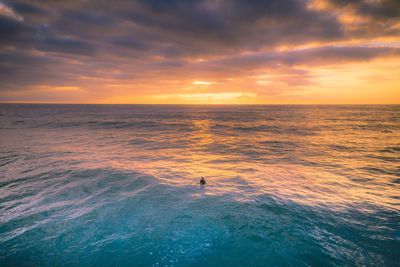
x,y
118,185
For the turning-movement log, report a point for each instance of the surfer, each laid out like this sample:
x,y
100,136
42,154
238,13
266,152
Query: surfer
x,y
202,181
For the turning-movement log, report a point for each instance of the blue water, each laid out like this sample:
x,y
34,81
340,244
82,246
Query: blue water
x,y
117,185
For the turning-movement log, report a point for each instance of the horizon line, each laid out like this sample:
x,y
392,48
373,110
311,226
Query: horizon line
x,y
206,104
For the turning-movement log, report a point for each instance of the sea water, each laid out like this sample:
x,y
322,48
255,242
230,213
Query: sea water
x,y
118,185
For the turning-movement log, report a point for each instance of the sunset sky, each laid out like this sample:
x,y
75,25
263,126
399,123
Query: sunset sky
x,y
200,52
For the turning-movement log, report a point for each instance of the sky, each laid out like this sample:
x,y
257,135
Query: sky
x,y
200,51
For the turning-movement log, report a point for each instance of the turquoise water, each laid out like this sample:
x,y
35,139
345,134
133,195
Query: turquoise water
x,y
110,185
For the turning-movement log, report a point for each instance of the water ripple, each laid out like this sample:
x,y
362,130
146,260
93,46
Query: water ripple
x,y
93,185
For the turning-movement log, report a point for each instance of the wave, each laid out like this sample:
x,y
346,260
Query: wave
x,y
97,213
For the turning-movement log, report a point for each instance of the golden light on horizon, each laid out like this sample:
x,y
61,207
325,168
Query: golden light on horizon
x,y
202,83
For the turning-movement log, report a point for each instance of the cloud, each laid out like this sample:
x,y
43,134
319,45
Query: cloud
x,y
136,45
366,18
379,9
313,56
9,12
234,25
65,45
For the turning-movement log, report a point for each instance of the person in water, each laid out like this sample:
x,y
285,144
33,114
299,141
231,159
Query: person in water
x,y
202,181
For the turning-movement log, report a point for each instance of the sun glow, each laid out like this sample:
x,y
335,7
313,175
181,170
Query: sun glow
x,y
202,83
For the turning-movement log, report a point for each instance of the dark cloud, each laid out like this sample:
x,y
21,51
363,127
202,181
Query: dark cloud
x,y
13,32
65,45
374,18
21,68
235,25
26,9
383,9
86,18
311,57
207,26
130,42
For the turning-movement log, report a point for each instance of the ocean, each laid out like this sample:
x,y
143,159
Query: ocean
x,y
118,185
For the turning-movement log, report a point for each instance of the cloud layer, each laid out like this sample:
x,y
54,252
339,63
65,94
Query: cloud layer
x,y
153,51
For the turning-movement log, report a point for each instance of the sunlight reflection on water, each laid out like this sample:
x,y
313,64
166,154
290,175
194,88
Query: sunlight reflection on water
x,y
322,158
